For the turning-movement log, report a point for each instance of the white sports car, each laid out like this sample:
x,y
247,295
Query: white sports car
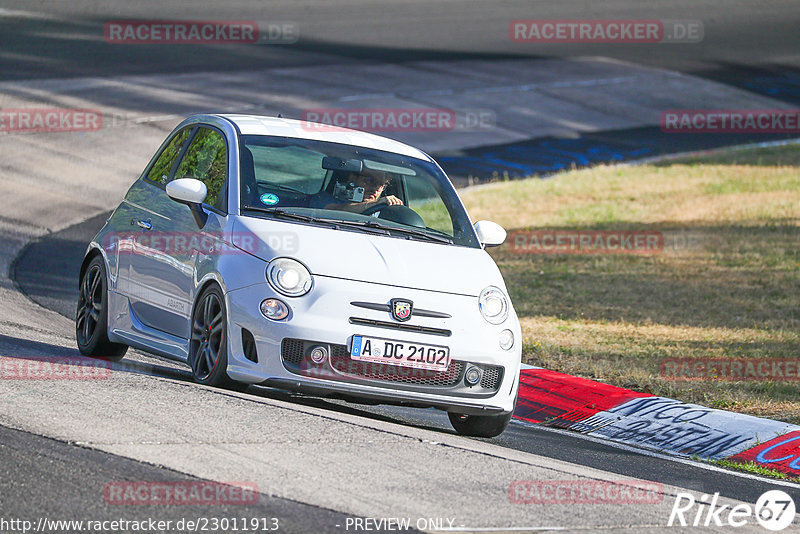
x,y
262,250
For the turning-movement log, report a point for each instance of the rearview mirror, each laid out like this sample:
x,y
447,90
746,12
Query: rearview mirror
x,y
339,164
191,192
490,234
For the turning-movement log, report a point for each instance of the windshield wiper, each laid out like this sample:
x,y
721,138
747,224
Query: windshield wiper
x,y
277,212
374,227
424,234
408,231
336,223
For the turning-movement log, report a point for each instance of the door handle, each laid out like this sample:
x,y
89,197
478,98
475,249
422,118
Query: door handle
x,y
145,225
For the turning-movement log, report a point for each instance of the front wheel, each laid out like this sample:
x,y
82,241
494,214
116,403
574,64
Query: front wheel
x,y
208,346
91,317
480,426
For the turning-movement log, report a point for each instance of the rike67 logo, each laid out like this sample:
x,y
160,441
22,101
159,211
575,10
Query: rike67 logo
x,y
774,510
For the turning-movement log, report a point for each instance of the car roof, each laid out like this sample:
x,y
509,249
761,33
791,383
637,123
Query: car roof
x,y
263,125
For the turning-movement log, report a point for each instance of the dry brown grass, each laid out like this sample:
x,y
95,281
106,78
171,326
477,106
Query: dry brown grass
x,y
726,285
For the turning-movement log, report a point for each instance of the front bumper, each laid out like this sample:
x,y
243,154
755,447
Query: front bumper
x,y
326,317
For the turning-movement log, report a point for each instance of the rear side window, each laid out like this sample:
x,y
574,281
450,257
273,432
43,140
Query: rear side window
x,y
160,171
206,160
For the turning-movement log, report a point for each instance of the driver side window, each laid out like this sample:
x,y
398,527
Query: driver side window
x,y
207,160
161,169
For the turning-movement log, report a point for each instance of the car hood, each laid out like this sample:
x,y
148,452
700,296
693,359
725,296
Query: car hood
x,y
356,255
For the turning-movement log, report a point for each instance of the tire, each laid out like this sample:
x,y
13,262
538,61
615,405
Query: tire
x,y
480,426
91,315
208,344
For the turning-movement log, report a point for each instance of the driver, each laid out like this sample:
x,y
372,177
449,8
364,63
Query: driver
x,y
373,183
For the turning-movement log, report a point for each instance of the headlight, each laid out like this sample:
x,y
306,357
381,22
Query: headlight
x,y
493,305
289,277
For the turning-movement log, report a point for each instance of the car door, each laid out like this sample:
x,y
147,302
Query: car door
x,y
165,264
135,218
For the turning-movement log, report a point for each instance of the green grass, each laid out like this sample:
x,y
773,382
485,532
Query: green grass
x,y
725,285
754,468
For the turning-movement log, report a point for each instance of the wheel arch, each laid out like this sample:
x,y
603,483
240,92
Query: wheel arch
x,y
205,284
91,254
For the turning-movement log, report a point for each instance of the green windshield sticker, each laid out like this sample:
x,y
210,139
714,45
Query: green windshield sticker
x,y
269,199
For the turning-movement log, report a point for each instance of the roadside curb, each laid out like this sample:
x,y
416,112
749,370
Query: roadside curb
x,y
657,423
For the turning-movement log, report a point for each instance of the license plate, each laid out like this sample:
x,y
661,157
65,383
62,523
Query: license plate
x,y
402,353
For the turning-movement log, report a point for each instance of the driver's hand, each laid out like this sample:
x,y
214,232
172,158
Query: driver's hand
x,y
393,200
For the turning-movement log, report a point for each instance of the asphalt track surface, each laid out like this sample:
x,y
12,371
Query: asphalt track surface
x,y
742,43
46,271
66,482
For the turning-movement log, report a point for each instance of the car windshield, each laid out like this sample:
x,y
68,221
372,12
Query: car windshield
x,y
351,187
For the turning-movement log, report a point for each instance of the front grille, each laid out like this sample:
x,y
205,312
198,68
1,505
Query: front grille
x,y
401,326
341,361
292,351
342,367
492,376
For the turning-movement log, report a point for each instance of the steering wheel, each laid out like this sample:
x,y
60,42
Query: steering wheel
x,y
376,208
398,213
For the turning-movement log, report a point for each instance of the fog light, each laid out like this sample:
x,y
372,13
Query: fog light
x,y
472,376
274,309
506,339
319,354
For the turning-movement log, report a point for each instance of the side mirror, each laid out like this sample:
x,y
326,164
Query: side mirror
x,y
191,192
490,234
187,191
